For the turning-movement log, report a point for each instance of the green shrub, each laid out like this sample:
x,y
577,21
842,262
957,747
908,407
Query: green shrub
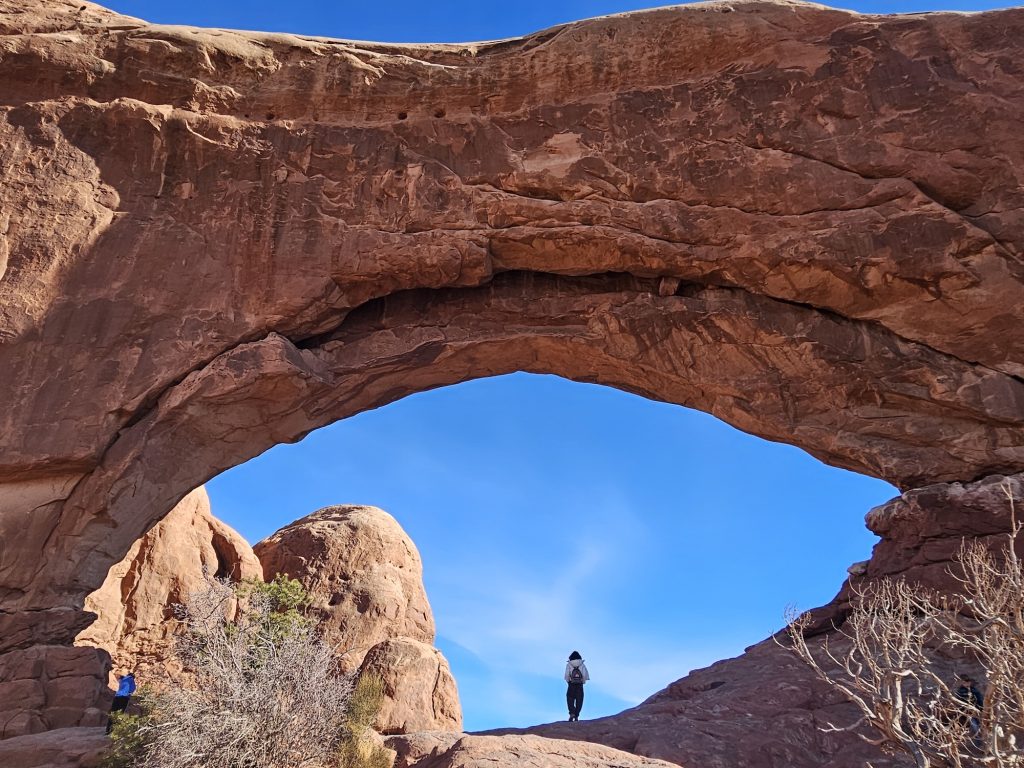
x,y
358,749
364,704
130,737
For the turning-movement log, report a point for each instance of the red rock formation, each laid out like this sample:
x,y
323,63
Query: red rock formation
x,y
419,691
365,579
363,573
135,605
804,221
52,686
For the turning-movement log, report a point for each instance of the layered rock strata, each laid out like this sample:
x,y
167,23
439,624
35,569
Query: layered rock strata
x,y
805,221
365,579
52,686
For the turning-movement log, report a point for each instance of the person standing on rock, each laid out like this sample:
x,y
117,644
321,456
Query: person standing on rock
x,y
125,689
576,675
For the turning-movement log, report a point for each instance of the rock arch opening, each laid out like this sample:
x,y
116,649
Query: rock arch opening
x,y
549,513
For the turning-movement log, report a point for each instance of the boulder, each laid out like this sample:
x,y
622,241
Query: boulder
x,y
363,573
419,691
365,578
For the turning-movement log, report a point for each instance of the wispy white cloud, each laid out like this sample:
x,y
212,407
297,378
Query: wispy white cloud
x,y
523,624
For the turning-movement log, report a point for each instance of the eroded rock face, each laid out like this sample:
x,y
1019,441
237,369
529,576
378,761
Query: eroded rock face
x,y
363,573
805,221
365,578
419,691
135,606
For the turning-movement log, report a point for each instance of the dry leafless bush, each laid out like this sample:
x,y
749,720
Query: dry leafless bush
x,y
895,664
267,692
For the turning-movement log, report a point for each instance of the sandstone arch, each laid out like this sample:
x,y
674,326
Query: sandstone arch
x,y
805,221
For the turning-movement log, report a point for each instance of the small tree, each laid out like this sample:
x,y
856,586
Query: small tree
x,y
895,655
265,690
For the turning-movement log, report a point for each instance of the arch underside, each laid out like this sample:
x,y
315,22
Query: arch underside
x,y
850,393
803,221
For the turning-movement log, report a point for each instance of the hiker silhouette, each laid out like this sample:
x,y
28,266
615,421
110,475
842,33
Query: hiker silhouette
x,y
576,675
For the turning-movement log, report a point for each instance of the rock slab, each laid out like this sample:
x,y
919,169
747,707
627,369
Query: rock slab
x,y
434,750
60,748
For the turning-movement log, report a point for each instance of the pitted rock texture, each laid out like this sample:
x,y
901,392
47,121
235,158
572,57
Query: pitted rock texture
x,y
135,606
365,579
805,221
363,573
442,750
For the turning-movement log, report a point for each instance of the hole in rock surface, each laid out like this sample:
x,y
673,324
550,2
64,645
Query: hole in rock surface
x,y
553,516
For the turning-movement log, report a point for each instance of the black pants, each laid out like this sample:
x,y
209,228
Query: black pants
x,y
574,698
120,704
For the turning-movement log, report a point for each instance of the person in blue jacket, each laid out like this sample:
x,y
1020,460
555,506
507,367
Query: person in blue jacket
x,y
125,689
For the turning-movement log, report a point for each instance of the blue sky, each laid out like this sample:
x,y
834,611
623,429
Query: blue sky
x,y
551,515
440,21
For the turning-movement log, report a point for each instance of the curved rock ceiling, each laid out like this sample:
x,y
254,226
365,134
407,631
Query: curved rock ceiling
x,y
805,221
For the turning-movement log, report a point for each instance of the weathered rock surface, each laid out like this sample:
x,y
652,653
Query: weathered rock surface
x,y
135,605
61,748
419,691
443,750
363,573
805,221
922,532
52,686
365,578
